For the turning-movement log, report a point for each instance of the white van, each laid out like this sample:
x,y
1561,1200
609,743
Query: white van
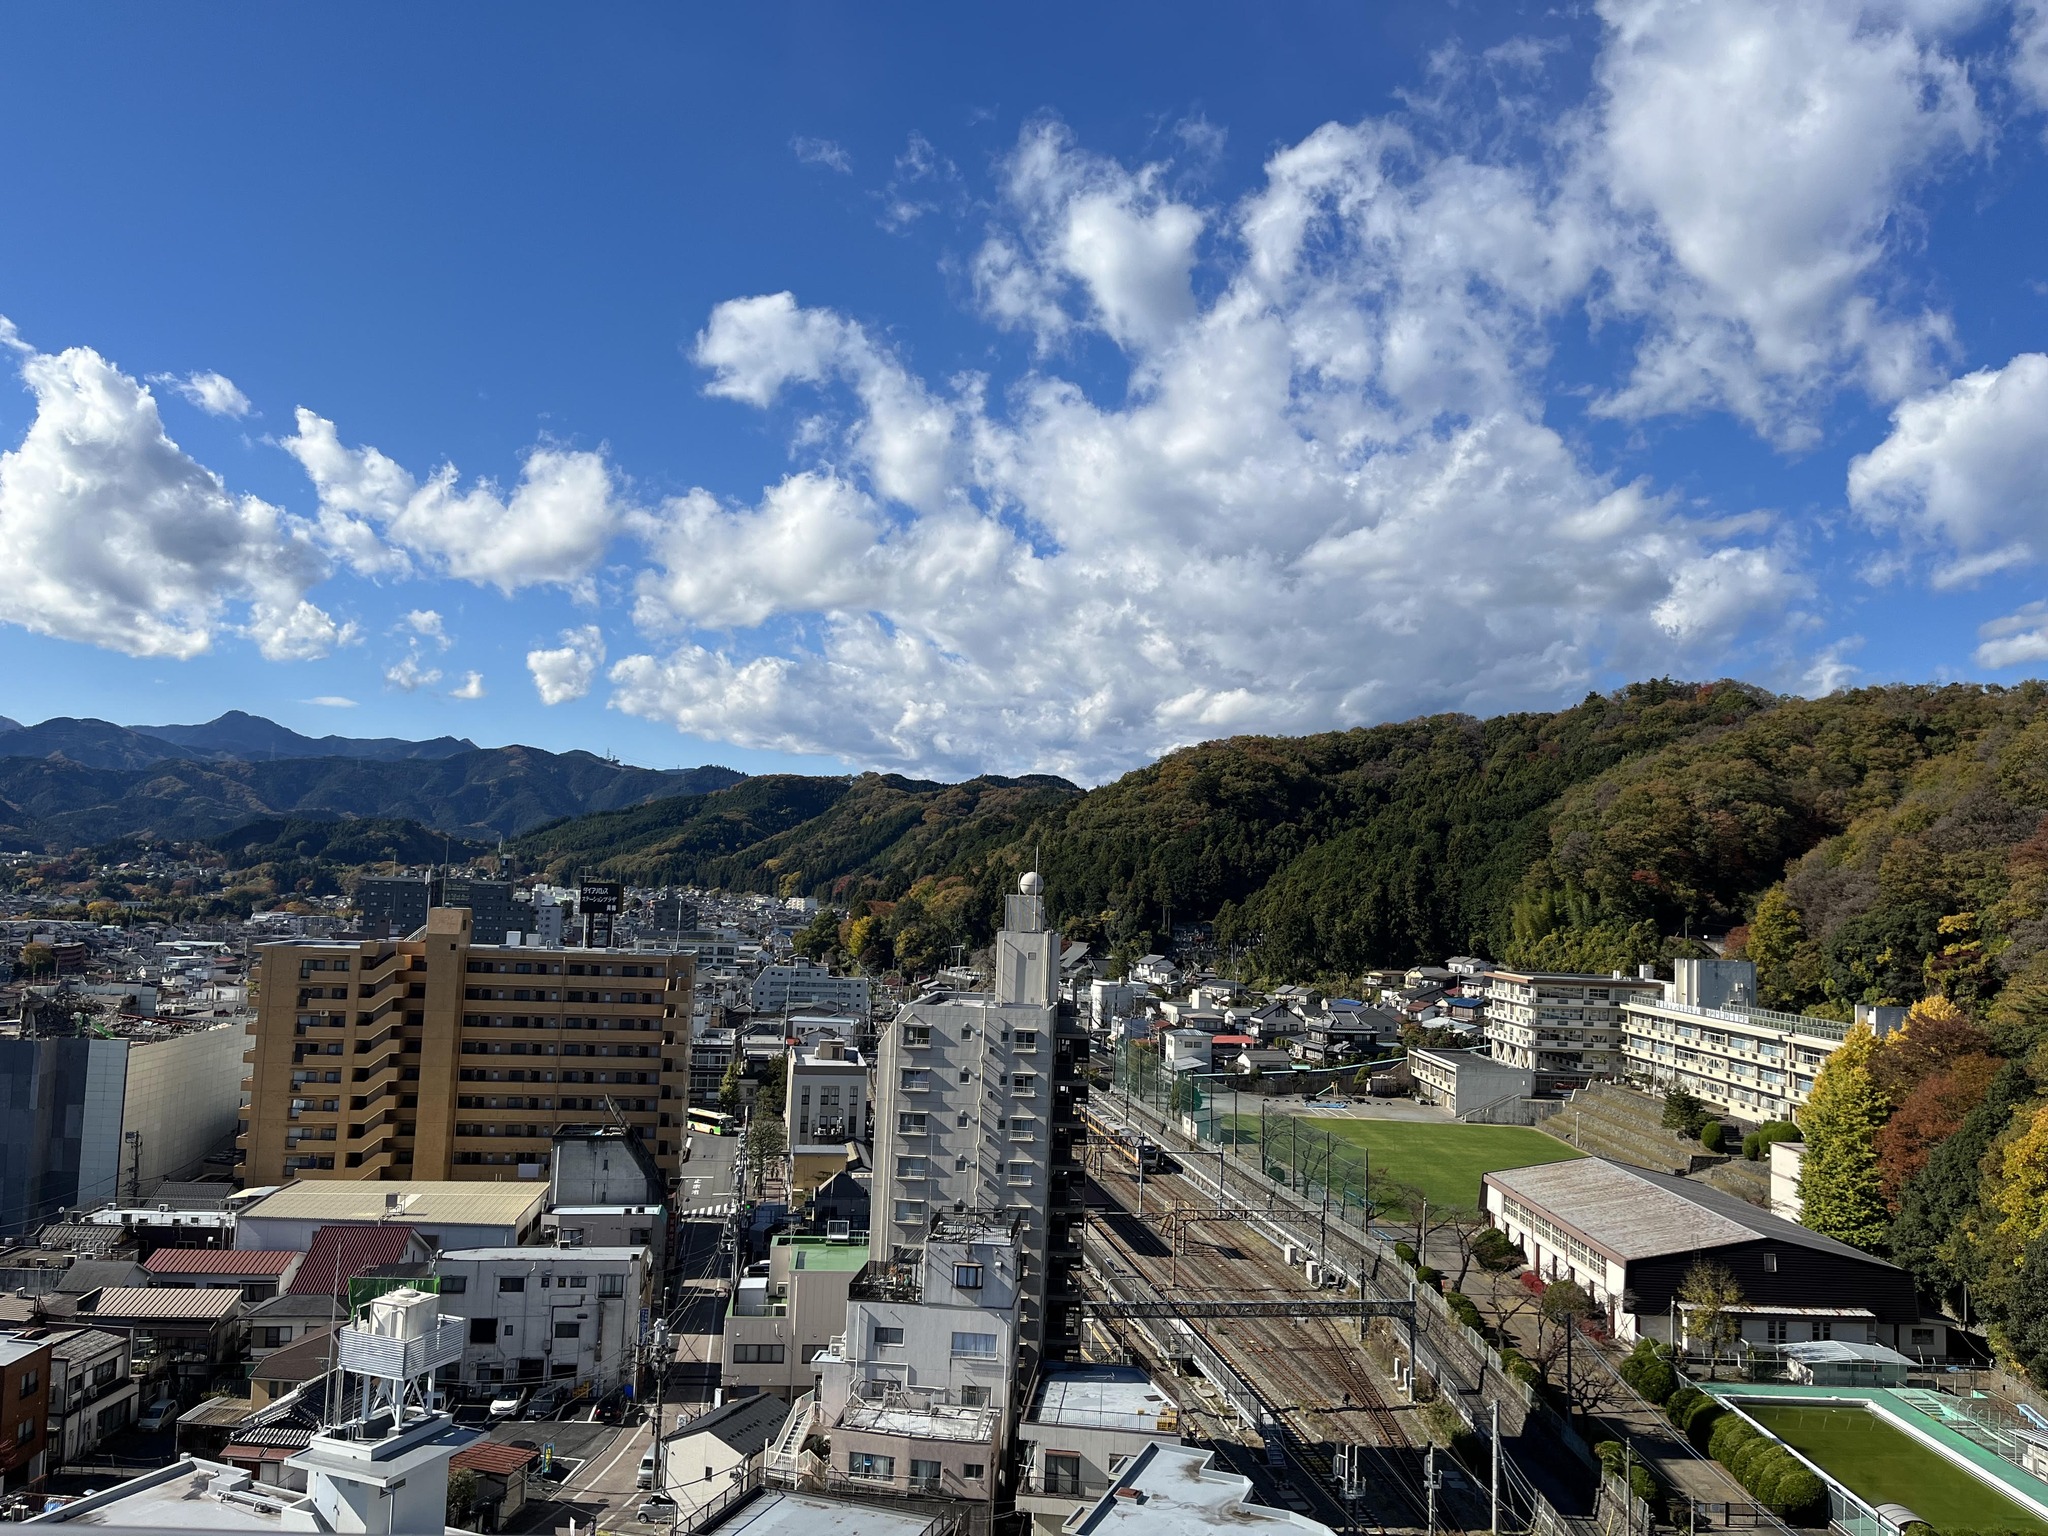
x,y
647,1467
158,1416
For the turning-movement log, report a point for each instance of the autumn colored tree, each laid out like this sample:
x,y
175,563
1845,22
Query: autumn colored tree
x,y
1929,1114
2018,1194
1936,1036
1841,1191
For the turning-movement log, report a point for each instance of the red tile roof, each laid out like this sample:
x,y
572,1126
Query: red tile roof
x,y
340,1253
493,1456
253,1262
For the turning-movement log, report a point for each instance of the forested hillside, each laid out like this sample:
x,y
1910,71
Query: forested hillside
x,y
1858,846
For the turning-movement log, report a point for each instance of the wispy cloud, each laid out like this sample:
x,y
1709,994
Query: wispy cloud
x,y
823,152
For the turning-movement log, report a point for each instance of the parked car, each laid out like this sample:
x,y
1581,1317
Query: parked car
x,y
508,1405
547,1402
158,1416
647,1468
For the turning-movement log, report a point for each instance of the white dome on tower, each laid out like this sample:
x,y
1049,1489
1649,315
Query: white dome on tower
x,y
1030,883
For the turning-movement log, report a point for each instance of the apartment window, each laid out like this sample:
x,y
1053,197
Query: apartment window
x,y
967,1276
887,1336
273,1338
570,1330
25,1431
757,1354
1923,1340
910,1123
1824,1328
1020,1173
1770,1263
611,1285
915,1080
454,1285
1023,1128
1024,1084
483,1330
30,1380
912,1167
974,1397
868,1464
511,1283
907,1210
924,1474
1027,1039
973,1471
975,1346
917,1034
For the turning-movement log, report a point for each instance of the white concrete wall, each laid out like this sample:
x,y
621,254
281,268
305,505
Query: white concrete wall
x,y
183,1096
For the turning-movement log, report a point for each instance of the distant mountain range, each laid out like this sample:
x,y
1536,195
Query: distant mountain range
x,y
235,736
68,783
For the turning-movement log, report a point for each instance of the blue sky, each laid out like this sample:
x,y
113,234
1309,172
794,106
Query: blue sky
x,y
913,388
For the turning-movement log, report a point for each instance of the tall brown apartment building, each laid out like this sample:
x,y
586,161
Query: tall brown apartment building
x,y
435,1057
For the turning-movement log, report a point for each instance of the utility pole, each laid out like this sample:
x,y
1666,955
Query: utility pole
x,y
1429,1486
1493,1477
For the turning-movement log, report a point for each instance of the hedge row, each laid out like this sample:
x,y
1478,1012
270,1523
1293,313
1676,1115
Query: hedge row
x,y
1774,1477
1642,1482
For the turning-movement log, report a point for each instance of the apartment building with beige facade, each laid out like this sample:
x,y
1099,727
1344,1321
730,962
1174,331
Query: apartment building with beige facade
x,y
439,1057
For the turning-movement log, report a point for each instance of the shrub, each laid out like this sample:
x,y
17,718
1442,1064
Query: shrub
x,y
1522,1369
1757,1144
1430,1276
1649,1370
1728,1436
1712,1134
1464,1311
1494,1250
1405,1253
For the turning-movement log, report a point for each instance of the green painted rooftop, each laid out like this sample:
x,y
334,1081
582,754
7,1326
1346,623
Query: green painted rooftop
x,y
822,1253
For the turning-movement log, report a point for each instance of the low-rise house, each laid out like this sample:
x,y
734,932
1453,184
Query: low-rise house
x,y
506,1477
780,1320
186,1339
1082,1423
537,1315
284,1320
452,1214
1188,1050
1155,971
1342,1033
257,1273
339,1254
92,1392
283,1371
720,1450
25,1367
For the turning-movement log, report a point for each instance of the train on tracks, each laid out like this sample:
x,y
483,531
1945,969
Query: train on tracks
x,y
1139,1151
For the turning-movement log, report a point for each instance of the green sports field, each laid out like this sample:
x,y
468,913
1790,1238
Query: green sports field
x,y
1442,1160
1885,1465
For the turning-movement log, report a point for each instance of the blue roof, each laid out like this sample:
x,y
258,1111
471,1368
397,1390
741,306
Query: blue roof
x,y
1345,1002
1464,1002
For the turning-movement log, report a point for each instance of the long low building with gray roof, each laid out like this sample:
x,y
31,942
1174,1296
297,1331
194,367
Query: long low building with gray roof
x,y
1629,1236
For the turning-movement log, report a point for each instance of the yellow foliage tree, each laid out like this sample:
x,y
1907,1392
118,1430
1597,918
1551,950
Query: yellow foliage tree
x,y
2020,1192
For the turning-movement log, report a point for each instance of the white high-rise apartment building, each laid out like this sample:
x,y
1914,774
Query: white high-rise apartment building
x,y
965,1107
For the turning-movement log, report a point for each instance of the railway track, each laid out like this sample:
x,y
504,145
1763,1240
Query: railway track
x,y
1317,1383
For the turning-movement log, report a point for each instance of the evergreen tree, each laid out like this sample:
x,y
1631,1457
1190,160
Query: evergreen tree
x,y
1841,1191
1928,1238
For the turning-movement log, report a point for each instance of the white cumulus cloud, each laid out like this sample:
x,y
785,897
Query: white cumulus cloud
x,y
213,393
551,530
116,537
410,673
1962,471
566,671
471,687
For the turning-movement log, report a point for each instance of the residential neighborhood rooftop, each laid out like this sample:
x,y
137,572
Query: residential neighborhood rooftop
x,y
460,1204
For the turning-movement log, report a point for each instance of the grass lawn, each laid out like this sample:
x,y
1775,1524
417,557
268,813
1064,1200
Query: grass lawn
x,y
1885,1465
1443,1160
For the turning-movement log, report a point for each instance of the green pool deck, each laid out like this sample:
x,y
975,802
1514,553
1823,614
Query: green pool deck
x,y
1913,1457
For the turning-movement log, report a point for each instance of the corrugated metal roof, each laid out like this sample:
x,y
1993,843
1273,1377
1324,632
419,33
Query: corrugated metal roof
x,y
257,1262
1633,1213
493,1456
166,1303
463,1204
339,1254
